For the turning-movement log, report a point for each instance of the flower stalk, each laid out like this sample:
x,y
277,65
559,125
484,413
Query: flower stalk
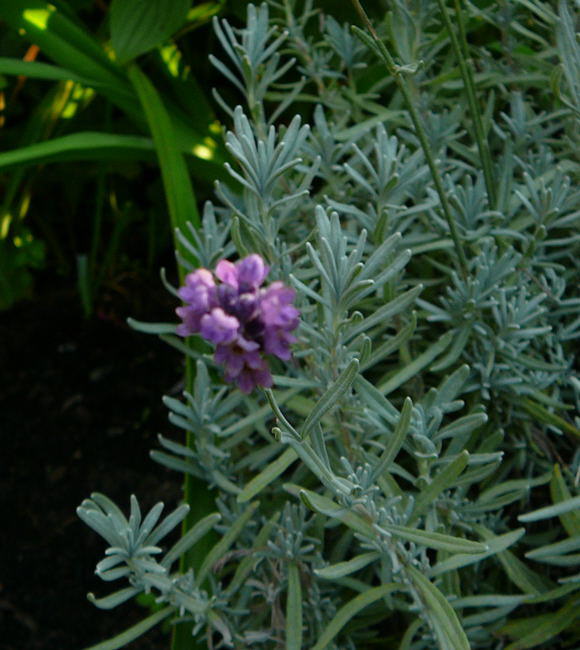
x,y
460,48
381,49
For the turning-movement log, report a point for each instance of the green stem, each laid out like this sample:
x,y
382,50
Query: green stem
x,y
461,52
419,131
182,208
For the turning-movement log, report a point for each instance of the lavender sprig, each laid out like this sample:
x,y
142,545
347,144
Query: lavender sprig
x,y
243,319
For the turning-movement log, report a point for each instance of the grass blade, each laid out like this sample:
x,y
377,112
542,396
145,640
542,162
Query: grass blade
x,y
176,181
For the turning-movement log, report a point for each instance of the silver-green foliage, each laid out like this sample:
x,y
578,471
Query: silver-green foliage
x,y
375,492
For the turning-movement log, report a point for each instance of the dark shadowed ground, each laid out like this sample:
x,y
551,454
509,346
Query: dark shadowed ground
x,y
80,406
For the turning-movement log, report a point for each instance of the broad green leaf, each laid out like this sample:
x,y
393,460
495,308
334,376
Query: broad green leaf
x,y
137,26
218,551
351,609
35,70
437,541
294,609
74,49
267,475
342,569
135,631
85,145
176,181
443,618
68,45
560,492
409,371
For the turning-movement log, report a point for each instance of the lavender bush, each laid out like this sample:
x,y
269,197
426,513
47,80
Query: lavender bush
x,y
388,427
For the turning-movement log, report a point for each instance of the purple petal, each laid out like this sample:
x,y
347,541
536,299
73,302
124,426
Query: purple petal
x,y
237,355
191,321
247,346
251,271
277,342
232,361
199,290
276,307
227,272
218,327
249,379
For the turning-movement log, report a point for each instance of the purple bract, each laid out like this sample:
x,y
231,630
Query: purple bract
x,y
244,320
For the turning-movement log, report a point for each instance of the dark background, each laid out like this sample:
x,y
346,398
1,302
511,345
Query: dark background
x,y
80,406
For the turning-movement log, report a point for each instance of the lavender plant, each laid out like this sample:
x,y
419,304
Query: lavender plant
x,y
381,419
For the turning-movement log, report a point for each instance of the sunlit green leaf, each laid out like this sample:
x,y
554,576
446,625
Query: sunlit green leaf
x,y
139,25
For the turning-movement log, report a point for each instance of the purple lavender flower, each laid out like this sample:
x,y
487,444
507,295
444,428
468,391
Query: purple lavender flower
x,y
244,364
218,327
251,272
244,320
247,274
199,293
280,317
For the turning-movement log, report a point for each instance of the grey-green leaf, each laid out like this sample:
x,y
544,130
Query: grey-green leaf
x,y
350,610
447,627
294,609
331,397
135,631
342,569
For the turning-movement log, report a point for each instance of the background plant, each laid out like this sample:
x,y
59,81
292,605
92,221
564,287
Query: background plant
x,y
105,218
387,490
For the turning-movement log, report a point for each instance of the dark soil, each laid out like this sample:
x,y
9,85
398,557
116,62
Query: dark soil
x,y
79,410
